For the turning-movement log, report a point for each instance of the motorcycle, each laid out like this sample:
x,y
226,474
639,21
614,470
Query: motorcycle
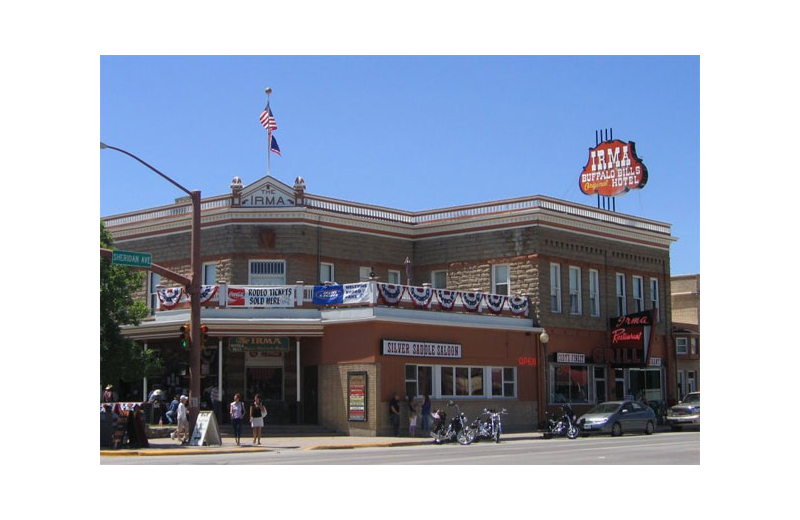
x,y
564,424
490,428
458,428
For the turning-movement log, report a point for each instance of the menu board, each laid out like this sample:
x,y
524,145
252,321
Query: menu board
x,y
357,396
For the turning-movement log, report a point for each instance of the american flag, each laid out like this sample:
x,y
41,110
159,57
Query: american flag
x,y
267,119
273,145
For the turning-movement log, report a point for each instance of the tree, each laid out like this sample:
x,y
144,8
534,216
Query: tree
x,y
121,358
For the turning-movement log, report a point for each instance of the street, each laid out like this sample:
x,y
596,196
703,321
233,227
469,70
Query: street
x,y
661,448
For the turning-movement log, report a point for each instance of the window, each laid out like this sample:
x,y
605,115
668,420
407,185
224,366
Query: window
x,y
690,381
439,279
394,277
555,288
619,382
461,381
500,281
622,308
363,273
680,346
267,272
152,291
504,382
638,293
594,292
654,298
325,272
570,384
419,380
693,346
681,384
645,382
575,290
210,274
599,384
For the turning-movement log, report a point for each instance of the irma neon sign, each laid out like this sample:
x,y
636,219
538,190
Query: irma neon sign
x,y
613,169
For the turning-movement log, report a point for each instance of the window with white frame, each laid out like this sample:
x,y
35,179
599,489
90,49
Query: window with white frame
x,y
638,293
419,380
681,346
504,381
210,273
569,384
500,279
363,273
326,272
622,307
394,277
594,292
267,272
439,279
654,298
555,288
461,381
575,290
152,291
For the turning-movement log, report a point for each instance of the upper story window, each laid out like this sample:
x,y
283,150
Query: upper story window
x,y
439,279
654,298
210,273
326,272
363,273
693,346
394,277
500,279
622,307
594,292
638,293
575,290
555,288
152,291
681,346
267,272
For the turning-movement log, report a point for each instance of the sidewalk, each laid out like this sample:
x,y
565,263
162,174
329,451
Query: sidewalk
x,y
168,447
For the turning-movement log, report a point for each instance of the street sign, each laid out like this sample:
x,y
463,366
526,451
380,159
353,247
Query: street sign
x,y
131,258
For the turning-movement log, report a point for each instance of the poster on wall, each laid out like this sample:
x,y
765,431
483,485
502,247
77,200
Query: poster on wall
x,y
342,294
357,396
629,342
261,296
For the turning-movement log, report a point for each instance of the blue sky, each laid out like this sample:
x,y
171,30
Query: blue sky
x,y
414,133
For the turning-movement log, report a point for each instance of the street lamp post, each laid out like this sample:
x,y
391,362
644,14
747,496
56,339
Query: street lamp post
x,y
544,338
193,289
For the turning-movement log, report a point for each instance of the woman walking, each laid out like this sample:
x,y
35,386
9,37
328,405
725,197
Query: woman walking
x,y
257,414
237,413
412,417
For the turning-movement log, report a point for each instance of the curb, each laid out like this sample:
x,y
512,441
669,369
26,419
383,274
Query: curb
x,y
162,452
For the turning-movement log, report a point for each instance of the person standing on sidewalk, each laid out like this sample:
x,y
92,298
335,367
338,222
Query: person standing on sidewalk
x,y
182,432
412,417
257,414
237,414
426,414
394,415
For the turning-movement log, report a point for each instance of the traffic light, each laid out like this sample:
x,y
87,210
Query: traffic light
x,y
186,335
203,334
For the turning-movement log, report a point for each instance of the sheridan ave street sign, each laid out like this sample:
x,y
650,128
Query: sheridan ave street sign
x,y
131,258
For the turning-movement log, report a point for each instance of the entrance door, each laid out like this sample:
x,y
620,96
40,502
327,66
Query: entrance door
x,y
265,381
310,388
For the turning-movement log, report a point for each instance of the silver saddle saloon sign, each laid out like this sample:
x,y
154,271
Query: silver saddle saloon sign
x,y
613,169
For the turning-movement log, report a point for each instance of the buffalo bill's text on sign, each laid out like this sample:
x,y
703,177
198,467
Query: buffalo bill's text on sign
x,y
613,169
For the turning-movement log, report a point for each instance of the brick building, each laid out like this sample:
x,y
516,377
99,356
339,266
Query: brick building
x,y
485,281
685,297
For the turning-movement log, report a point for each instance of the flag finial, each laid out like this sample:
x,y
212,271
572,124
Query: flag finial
x,y
268,91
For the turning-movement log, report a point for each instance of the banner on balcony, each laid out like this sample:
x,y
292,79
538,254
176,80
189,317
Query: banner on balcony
x,y
391,294
348,293
170,297
266,296
421,296
519,305
207,292
472,300
495,302
447,299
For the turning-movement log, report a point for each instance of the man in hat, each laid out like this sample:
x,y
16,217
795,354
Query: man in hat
x,y
182,432
108,395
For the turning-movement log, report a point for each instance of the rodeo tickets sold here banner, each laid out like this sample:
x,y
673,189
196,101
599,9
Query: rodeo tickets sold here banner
x,y
261,296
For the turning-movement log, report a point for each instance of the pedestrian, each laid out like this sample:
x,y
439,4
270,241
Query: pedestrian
x,y
108,394
394,415
237,414
426,414
412,417
257,414
182,432
172,412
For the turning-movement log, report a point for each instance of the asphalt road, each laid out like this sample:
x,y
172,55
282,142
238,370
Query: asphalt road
x,y
662,448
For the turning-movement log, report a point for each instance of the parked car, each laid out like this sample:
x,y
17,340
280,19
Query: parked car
x,y
685,413
618,417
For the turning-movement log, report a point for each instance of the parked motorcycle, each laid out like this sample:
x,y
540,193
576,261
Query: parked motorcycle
x,y
458,428
564,424
489,427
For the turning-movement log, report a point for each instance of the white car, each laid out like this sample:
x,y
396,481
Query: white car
x,y
685,413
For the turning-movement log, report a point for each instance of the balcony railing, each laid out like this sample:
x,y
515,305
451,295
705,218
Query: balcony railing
x,y
369,293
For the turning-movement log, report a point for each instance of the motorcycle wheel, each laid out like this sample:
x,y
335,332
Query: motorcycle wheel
x,y
573,432
463,438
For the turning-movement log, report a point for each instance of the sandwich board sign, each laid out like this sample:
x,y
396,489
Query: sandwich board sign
x,y
206,430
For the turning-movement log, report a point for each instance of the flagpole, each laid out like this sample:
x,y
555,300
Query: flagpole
x,y
269,134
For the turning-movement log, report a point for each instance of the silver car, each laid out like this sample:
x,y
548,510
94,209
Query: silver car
x,y
685,413
618,417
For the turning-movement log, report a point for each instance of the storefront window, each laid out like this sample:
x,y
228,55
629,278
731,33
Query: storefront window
x,y
419,380
645,383
570,384
462,381
265,381
599,384
503,382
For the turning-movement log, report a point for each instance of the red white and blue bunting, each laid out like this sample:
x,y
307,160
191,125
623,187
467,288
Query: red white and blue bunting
x,y
447,299
519,305
421,296
170,297
391,294
472,300
495,302
207,292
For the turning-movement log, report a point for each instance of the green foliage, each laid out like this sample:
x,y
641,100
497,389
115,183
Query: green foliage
x,y
121,358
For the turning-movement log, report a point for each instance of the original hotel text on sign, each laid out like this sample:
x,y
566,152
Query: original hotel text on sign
x,y
420,349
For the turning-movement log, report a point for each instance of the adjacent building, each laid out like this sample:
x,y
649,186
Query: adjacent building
x,y
685,298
